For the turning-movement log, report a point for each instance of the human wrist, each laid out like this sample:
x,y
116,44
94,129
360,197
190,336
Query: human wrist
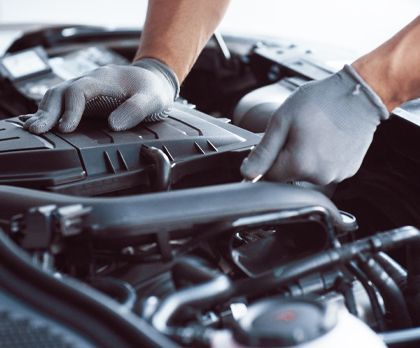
x,y
391,70
167,58
379,74
362,89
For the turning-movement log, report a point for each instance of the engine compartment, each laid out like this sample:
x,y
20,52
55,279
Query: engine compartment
x,y
187,148
151,236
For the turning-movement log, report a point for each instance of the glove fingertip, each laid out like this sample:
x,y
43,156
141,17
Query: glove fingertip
x,y
117,127
27,124
257,163
66,127
38,127
28,120
68,122
113,122
116,124
249,169
124,117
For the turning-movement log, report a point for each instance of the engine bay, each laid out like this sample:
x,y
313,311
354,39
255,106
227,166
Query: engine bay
x,y
150,237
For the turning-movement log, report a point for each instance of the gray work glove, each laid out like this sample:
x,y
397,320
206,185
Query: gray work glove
x,y
127,94
321,133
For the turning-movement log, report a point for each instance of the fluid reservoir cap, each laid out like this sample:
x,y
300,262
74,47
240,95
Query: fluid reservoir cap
x,y
284,323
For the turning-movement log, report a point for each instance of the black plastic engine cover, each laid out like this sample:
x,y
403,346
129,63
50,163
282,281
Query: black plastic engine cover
x,y
93,160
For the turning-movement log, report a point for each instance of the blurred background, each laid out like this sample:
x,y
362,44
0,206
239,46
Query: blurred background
x,y
357,25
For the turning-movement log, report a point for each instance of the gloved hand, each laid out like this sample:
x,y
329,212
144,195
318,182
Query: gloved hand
x,y
321,133
128,94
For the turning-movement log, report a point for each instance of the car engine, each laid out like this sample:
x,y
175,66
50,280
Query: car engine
x,y
150,237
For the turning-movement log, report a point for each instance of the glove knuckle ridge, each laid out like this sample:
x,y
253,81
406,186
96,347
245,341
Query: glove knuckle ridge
x,y
88,80
300,167
72,91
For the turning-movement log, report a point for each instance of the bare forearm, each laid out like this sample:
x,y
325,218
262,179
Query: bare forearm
x,y
176,31
393,69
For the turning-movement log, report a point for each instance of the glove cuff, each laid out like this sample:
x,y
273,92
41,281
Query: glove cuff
x,y
368,91
157,66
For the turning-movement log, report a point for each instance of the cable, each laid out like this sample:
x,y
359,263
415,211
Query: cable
x,y
412,290
120,290
389,290
218,287
280,276
371,292
393,268
192,270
